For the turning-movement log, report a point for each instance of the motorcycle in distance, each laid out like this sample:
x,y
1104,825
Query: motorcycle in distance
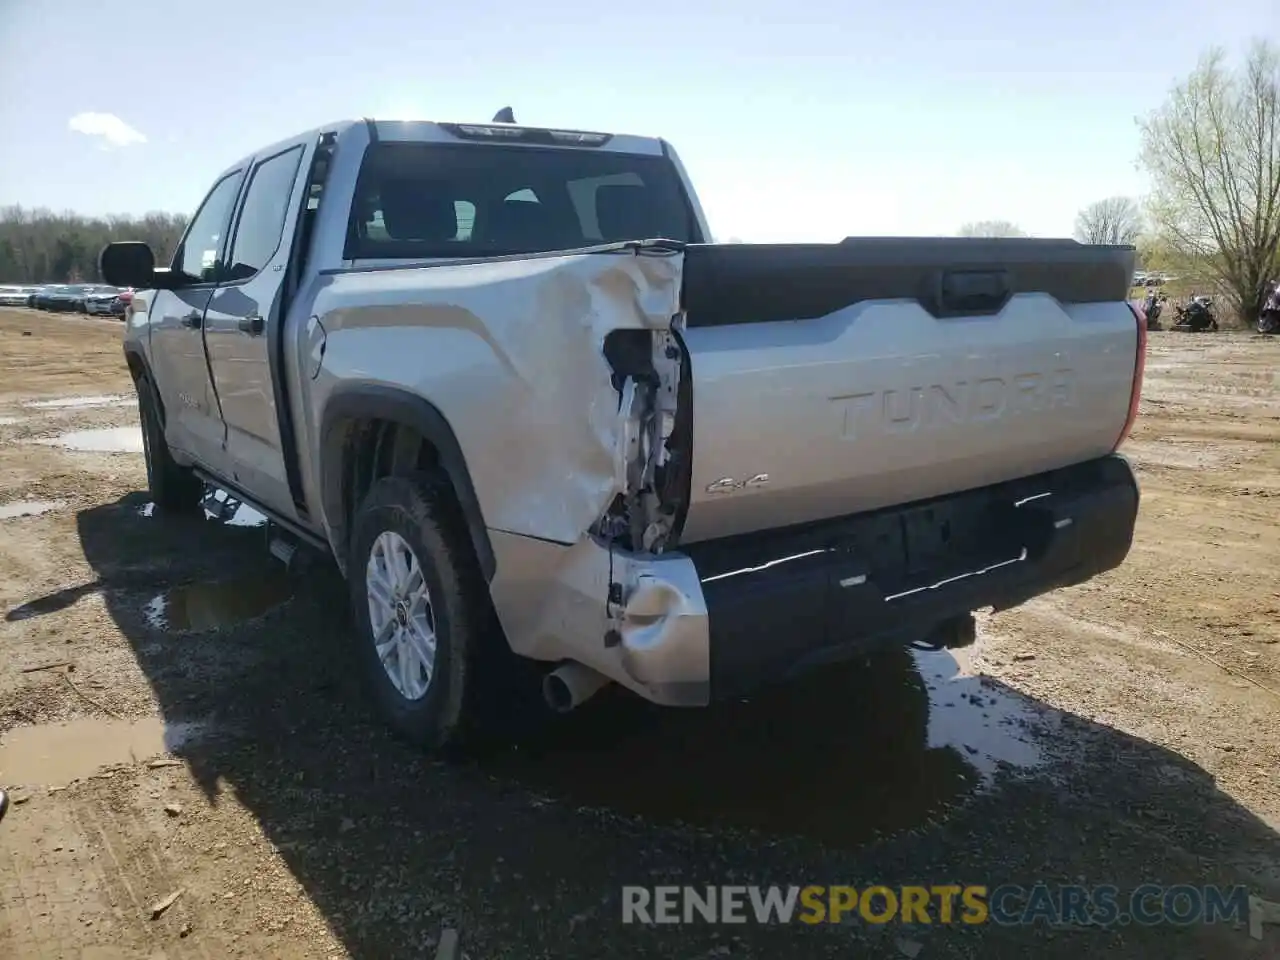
x,y
1196,316
1151,308
1269,316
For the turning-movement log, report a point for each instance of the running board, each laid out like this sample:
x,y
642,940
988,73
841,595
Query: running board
x,y
292,528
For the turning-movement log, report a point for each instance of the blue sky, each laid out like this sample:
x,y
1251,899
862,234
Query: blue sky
x,y
800,120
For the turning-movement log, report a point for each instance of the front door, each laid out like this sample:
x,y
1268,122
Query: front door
x,y
242,318
193,422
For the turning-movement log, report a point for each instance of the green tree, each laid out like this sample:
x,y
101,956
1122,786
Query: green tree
x,y
1212,150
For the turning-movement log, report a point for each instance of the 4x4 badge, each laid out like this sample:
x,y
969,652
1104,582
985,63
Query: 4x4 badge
x,y
728,484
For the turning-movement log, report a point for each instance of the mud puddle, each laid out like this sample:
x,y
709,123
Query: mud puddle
x,y
987,725
213,606
83,403
105,440
847,754
54,754
28,508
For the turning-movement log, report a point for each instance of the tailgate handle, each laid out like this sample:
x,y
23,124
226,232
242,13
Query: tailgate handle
x,y
972,292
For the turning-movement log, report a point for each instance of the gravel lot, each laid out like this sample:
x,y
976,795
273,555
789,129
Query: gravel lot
x,y
202,733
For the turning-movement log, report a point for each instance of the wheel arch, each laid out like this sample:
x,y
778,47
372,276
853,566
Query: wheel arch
x,y
140,369
372,430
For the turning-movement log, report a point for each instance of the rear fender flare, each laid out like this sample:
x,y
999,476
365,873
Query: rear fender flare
x,y
361,402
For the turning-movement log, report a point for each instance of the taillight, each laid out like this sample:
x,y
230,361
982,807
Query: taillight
x,y
1139,365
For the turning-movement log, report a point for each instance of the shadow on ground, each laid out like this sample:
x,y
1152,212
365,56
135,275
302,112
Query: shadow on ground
x,y
830,780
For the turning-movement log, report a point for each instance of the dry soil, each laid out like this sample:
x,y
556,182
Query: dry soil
x,y
196,773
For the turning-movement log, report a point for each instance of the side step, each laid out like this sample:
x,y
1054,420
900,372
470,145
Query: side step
x,y
296,554
281,548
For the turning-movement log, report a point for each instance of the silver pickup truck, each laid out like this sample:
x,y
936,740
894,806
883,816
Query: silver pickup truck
x,y
549,431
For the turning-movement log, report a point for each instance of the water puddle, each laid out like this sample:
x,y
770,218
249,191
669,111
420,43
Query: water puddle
x,y
220,506
54,754
212,606
28,508
106,440
848,753
226,509
985,724
83,403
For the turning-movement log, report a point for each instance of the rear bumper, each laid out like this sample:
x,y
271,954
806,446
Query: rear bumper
x,y
887,578
778,603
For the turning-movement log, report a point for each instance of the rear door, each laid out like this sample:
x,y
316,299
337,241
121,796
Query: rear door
x,y
243,319
193,423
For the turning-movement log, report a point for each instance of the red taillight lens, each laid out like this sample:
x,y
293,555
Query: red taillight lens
x,y
1139,366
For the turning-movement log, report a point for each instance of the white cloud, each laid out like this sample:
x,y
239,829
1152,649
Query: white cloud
x,y
107,128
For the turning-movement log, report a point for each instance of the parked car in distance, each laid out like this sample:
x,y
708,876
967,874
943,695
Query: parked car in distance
x,y
70,298
88,290
14,296
43,299
64,298
104,300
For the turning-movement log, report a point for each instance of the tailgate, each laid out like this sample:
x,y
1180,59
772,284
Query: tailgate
x,y
837,379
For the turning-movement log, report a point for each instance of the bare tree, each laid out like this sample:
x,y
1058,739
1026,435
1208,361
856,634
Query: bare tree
x,y
42,246
1213,153
992,228
1115,220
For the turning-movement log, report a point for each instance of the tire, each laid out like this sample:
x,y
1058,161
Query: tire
x,y
462,702
174,488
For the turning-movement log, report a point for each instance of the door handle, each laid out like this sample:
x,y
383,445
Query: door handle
x,y
251,325
193,320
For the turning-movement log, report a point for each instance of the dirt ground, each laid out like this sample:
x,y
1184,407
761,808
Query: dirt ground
x,y
179,716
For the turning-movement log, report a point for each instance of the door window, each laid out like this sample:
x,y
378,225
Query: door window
x,y
198,255
262,217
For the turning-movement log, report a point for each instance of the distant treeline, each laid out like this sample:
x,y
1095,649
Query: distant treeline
x,y
40,246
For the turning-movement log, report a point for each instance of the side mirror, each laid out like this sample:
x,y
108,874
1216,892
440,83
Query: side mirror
x,y
128,263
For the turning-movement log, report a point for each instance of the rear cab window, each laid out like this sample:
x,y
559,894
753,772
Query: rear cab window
x,y
433,200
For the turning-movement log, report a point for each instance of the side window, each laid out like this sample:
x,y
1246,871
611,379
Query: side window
x,y
198,255
261,224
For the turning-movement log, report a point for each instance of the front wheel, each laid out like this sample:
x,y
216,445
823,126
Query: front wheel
x,y
174,488
428,640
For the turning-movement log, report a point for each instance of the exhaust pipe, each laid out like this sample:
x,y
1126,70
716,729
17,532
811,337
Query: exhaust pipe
x,y
567,686
951,634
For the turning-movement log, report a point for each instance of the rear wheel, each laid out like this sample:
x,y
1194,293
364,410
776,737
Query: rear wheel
x,y
174,488
428,640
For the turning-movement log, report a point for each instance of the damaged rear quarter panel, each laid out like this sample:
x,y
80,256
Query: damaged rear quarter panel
x,y
511,354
